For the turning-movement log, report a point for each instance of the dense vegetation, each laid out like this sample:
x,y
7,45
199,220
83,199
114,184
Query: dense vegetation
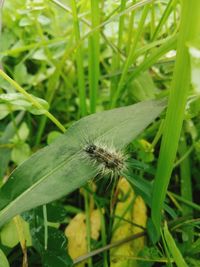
x,y
119,187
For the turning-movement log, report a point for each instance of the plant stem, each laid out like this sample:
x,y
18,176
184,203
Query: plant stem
x,y
117,56
94,55
164,18
130,30
103,234
152,23
109,246
20,231
79,61
185,201
189,29
31,99
44,208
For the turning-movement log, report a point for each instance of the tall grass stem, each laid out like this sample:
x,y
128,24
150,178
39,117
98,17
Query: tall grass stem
x,y
79,61
189,29
94,46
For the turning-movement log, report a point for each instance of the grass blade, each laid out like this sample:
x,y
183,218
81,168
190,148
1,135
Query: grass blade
x,y
94,56
116,58
79,61
164,18
186,186
178,258
130,58
189,29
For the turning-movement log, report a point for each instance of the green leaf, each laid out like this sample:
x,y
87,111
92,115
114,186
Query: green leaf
x,y
195,247
52,136
24,22
51,259
20,153
64,166
144,87
10,236
43,20
22,133
56,254
17,101
39,55
3,260
4,111
177,256
20,73
55,212
5,138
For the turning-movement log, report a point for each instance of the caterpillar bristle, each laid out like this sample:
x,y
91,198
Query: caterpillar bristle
x,y
107,158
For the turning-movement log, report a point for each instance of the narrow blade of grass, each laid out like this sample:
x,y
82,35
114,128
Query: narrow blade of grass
x,y
131,30
163,19
153,58
178,258
94,56
117,57
79,61
130,58
186,186
189,28
185,201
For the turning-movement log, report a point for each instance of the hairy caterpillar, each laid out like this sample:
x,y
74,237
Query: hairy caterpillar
x,y
108,159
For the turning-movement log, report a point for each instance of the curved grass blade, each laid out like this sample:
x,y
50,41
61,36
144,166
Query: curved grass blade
x,y
60,168
174,250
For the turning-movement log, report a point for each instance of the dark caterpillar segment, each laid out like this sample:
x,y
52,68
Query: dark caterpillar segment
x,y
110,160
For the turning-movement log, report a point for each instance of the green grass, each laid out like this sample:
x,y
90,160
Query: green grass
x,y
94,59
79,61
64,60
175,112
130,58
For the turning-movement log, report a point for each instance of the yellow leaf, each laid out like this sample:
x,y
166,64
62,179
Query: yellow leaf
x,y
95,221
10,235
139,216
76,233
130,209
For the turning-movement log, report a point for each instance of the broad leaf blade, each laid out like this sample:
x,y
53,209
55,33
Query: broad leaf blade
x,y
60,168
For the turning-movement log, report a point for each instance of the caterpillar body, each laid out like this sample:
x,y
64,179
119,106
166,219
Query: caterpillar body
x,y
110,160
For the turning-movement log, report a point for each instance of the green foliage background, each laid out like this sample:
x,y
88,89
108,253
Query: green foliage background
x,y
67,59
